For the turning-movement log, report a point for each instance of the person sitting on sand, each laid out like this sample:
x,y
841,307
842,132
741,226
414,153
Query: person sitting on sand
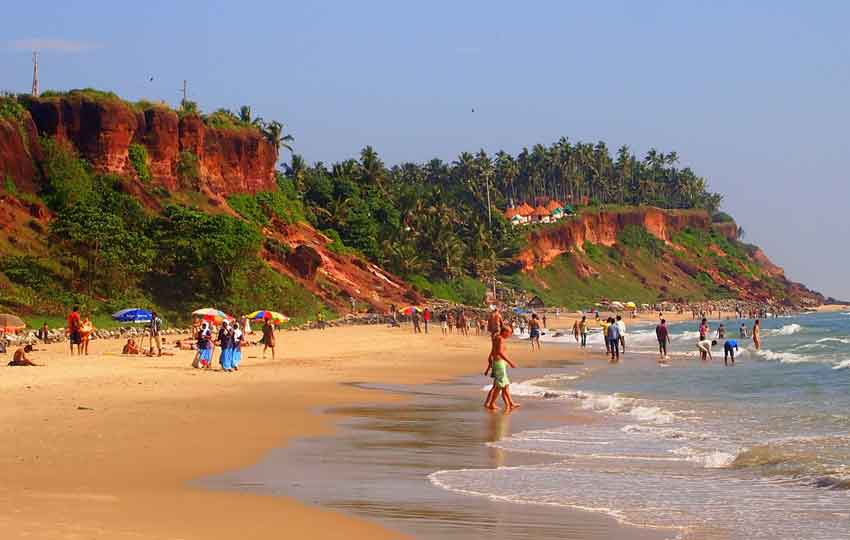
x,y
20,357
704,346
130,347
729,349
497,363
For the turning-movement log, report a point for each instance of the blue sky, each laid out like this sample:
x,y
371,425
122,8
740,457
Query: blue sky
x,y
753,95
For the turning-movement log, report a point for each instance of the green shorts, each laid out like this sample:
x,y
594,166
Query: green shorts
x,y
500,374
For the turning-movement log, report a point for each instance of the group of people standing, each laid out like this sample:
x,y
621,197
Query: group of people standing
x,y
79,331
229,338
705,343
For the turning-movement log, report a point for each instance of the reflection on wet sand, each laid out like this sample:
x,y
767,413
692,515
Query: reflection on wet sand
x,y
377,467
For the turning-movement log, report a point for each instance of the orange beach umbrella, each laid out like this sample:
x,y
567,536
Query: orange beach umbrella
x,y
11,323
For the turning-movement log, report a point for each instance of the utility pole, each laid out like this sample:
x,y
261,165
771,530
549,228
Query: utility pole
x,y
35,91
185,91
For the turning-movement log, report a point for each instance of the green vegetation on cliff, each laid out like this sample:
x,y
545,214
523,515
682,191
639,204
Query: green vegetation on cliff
x,y
107,252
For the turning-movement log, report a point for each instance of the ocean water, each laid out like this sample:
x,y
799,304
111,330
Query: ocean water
x,y
756,450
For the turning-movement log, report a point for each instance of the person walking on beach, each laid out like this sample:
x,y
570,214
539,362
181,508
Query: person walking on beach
x,y
621,324
450,320
462,327
444,323
576,331
721,331
74,324
205,347
497,364
155,328
582,326
236,349
415,318
605,324
320,320
534,331
43,333
613,336
704,347
545,325
663,336
757,334
743,331
268,339
729,349
494,321
426,318
225,343
86,329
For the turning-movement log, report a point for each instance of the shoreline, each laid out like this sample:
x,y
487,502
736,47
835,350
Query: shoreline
x,y
108,446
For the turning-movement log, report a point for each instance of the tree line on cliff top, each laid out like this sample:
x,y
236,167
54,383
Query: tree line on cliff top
x,y
438,224
431,220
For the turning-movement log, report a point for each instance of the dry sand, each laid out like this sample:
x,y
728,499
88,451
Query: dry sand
x,y
104,446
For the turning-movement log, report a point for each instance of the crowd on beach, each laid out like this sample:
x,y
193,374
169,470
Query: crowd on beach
x,y
230,336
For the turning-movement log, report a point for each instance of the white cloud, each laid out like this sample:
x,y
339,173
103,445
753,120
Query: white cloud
x,y
48,44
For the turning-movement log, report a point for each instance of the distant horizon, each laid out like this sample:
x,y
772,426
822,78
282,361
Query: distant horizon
x,y
751,96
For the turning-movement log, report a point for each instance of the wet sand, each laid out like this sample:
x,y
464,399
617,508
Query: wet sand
x,y
113,447
377,466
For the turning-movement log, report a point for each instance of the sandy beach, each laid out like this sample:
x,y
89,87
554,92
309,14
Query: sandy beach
x,y
105,446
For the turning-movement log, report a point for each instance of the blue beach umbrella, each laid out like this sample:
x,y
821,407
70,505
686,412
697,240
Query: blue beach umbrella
x,y
132,315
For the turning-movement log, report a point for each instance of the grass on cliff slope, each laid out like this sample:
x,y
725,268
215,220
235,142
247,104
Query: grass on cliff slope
x,y
623,273
463,290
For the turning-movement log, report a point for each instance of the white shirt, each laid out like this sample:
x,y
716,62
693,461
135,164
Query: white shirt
x,y
621,324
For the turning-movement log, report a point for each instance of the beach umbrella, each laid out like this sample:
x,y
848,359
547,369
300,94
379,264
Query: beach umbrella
x,y
631,305
211,314
132,315
11,323
409,310
263,314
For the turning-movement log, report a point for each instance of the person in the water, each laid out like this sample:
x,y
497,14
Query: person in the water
x,y
729,350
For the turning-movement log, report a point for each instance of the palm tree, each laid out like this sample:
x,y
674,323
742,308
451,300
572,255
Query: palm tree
x,y
372,168
273,132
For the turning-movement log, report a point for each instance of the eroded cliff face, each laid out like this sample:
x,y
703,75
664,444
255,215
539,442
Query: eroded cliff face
x,y
230,160
333,277
18,153
545,244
